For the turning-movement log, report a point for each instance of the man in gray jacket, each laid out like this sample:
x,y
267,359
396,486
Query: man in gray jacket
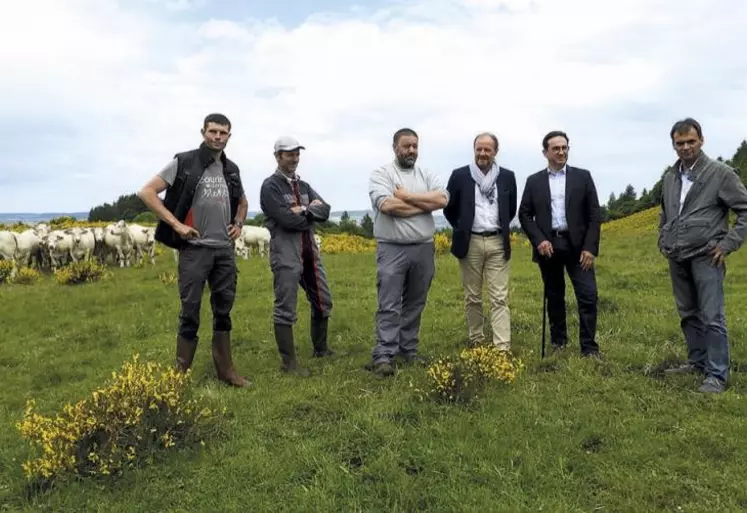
x,y
694,235
291,207
403,196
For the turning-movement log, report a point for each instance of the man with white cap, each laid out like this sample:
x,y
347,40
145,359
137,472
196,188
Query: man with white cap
x,y
291,207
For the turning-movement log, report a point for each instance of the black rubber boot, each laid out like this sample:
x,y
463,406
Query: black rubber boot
x,y
319,337
287,348
185,352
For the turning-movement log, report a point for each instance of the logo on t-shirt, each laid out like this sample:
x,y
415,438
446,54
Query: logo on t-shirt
x,y
213,187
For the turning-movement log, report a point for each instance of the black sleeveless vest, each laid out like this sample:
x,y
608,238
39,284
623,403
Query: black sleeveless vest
x,y
178,200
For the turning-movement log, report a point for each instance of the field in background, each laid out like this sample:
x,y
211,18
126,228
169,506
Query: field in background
x,y
570,435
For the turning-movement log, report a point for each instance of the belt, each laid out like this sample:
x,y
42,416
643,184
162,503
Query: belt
x,y
559,233
487,234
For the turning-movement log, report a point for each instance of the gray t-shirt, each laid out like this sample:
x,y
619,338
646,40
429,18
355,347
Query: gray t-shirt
x,y
402,230
210,214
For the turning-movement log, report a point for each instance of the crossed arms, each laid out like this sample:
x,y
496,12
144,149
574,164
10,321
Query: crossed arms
x,y
403,203
273,204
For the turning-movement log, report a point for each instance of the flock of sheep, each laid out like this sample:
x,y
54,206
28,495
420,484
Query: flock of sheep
x,y
125,243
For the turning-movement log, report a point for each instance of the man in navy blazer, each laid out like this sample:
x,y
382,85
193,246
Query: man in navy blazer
x,y
560,214
482,203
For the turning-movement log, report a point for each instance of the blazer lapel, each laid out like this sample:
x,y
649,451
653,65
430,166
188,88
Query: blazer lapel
x,y
544,190
470,192
570,185
500,193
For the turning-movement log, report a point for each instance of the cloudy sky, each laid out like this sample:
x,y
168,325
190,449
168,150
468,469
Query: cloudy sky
x,y
98,95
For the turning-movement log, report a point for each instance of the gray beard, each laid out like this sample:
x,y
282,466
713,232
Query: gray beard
x,y
403,164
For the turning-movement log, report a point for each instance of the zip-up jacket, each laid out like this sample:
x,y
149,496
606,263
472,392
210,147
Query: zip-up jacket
x,y
703,222
290,233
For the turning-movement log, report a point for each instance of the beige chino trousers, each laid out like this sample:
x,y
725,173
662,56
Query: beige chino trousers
x,y
484,263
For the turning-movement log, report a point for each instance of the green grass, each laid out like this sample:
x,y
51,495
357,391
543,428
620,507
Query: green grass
x,y
570,435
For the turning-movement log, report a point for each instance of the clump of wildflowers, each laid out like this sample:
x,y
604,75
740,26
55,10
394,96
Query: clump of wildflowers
x,y
144,408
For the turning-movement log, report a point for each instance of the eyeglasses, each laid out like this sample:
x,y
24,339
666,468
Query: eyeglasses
x,y
558,149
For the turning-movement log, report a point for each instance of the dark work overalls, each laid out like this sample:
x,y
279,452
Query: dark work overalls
x,y
295,260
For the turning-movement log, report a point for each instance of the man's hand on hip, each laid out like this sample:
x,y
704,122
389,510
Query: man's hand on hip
x,y
186,232
234,231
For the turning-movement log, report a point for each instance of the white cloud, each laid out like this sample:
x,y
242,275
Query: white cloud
x,y
99,95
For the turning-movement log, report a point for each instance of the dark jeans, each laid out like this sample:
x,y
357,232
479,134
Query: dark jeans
x,y
197,265
698,290
585,287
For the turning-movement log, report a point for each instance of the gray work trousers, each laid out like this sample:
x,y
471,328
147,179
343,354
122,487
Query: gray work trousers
x,y
698,289
404,276
292,266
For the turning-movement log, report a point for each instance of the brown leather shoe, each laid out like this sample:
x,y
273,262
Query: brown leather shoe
x,y
224,363
185,352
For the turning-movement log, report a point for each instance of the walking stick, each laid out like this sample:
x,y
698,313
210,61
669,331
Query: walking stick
x,y
544,317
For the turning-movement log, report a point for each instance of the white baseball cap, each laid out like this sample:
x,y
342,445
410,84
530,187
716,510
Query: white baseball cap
x,y
287,143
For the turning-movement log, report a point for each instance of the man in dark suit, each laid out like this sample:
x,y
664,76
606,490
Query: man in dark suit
x,y
482,203
560,214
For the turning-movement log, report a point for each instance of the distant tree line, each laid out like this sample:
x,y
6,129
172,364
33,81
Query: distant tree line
x,y
128,207
629,202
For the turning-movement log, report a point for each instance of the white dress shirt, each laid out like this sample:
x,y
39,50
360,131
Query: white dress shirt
x,y
557,198
486,213
686,183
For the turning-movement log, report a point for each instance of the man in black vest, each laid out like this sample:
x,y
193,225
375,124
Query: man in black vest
x,y
291,207
482,203
201,216
559,212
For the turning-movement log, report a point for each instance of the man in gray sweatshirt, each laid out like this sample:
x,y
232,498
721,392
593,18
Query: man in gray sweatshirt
x,y
694,235
291,207
403,197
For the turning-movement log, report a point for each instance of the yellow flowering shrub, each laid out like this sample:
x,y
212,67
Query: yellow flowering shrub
x,y
142,409
442,243
345,243
640,223
83,271
26,276
459,380
6,269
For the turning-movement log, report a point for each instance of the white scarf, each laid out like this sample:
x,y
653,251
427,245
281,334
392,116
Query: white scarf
x,y
484,181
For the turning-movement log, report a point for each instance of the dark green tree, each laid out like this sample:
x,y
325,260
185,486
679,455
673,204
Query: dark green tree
x,y
367,225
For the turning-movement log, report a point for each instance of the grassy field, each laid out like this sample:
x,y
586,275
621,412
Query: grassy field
x,y
570,435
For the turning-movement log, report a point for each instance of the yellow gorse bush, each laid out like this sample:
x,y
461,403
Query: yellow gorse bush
x,y
344,243
640,223
491,363
26,276
6,269
442,243
84,271
460,379
144,408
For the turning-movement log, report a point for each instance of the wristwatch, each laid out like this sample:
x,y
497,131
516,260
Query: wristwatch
x,y
238,224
